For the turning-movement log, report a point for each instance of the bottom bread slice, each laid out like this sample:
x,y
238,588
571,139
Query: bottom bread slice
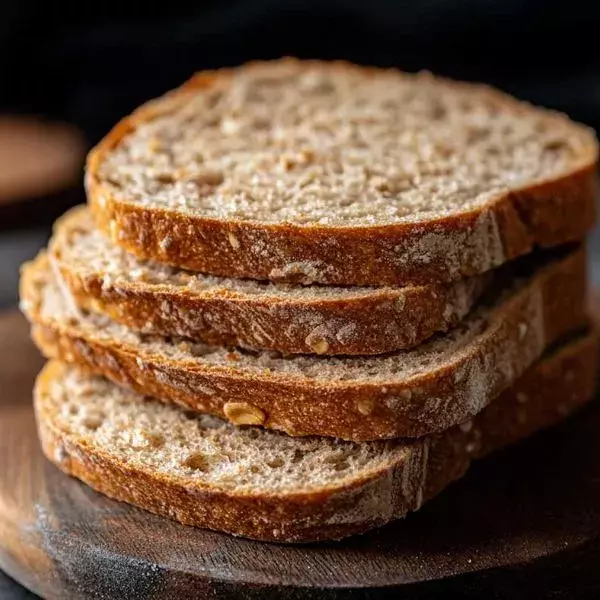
x,y
200,470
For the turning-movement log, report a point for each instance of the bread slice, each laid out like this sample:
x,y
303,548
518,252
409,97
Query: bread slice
x,y
406,393
153,298
330,173
265,485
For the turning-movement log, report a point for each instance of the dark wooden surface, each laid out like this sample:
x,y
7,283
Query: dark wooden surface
x,y
523,524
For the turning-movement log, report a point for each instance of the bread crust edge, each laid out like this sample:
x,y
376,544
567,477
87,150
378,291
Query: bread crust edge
x,y
382,321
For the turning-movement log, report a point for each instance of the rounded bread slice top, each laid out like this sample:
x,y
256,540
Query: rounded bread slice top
x,y
332,173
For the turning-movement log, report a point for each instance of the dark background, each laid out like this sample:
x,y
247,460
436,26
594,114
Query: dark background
x,y
90,63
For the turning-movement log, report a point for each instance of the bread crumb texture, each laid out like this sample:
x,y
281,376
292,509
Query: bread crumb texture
x,y
180,445
313,143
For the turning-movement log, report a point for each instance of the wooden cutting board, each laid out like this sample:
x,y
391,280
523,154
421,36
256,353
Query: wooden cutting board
x,y
523,524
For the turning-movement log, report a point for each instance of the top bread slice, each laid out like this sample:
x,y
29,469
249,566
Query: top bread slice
x,y
153,298
405,393
260,484
329,173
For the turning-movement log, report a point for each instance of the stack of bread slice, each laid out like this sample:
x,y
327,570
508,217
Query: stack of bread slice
x,y
305,296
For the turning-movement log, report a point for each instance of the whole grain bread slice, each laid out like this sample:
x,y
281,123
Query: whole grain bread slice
x,y
406,393
338,174
261,484
154,298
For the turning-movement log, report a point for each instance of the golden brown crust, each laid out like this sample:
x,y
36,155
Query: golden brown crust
x,y
382,321
552,389
549,213
550,305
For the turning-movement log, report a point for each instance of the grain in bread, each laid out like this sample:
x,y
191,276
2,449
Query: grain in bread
x,y
406,393
310,171
265,485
